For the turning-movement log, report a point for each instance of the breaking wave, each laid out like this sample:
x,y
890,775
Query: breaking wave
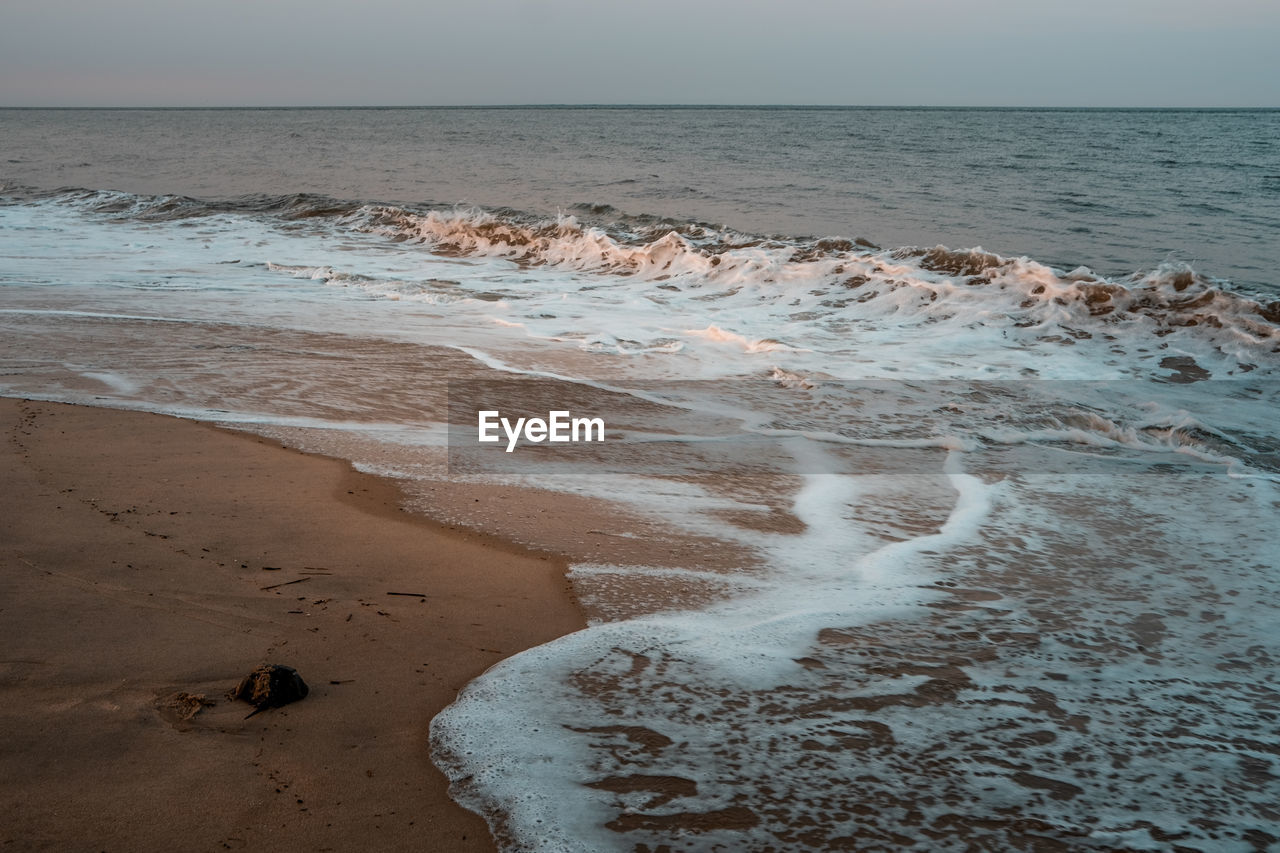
x,y
933,281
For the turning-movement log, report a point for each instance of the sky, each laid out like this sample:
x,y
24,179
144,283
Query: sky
x,y
1099,53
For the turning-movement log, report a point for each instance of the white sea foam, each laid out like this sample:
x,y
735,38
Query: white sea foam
x,y
900,717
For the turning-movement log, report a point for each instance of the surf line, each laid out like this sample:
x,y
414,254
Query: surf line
x,y
559,426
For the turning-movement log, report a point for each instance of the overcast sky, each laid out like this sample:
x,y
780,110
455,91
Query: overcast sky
x,y
324,52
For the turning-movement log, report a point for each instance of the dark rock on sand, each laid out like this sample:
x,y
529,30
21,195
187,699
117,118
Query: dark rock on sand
x,y
270,686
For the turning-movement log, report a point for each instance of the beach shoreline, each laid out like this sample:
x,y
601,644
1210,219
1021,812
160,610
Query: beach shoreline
x,y
151,560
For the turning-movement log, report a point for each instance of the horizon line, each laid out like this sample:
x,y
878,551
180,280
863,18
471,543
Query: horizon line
x,y
645,106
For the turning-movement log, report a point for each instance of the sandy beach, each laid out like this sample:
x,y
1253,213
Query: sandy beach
x,y
147,557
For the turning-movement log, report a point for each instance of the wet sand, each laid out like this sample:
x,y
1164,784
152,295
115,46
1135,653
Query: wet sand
x,y
144,557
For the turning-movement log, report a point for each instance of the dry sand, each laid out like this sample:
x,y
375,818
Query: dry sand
x,y
138,556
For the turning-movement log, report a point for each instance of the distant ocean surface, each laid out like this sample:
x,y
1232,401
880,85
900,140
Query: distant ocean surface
x,y
1118,191
944,458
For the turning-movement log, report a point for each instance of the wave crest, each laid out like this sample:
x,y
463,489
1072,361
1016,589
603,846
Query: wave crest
x,y
937,282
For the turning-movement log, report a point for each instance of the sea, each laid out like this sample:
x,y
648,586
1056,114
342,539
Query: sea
x,y
937,503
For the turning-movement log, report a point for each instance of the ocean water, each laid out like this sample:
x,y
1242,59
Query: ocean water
x,y
941,482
